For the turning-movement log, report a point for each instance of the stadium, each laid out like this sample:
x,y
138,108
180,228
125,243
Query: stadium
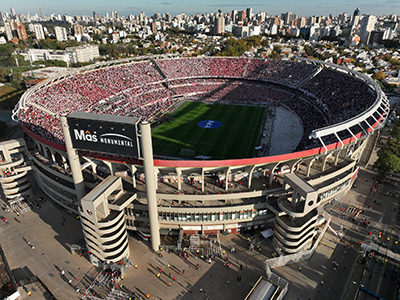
x,y
237,144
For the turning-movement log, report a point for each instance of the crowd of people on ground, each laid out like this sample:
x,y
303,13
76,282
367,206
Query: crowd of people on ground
x,y
146,90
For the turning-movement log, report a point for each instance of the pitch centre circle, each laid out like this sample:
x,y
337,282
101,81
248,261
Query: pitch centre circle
x,y
209,124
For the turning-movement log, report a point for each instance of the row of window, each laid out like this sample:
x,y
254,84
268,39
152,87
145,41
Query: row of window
x,y
200,217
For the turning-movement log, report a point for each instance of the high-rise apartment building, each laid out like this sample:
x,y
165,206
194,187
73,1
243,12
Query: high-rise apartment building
x,y
241,16
356,12
21,32
61,33
78,29
9,27
15,29
286,17
219,25
12,10
249,13
367,25
38,30
234,16
41,13
96,17
153,27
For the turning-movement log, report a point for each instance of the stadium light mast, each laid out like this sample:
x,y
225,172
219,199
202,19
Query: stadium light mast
x,y
150,179
73,159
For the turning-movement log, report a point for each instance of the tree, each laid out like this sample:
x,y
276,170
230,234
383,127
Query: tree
x,y
387,163
379,75
394,61
275,55
395,133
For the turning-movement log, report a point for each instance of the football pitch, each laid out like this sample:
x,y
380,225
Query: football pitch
x,y
239,131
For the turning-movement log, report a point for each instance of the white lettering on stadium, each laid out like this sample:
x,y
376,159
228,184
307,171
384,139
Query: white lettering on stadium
x,y
86,136
116,142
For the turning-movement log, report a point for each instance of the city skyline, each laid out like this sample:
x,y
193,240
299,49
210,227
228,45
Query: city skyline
x,y
125,7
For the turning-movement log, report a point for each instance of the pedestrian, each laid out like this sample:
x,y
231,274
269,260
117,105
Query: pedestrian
x,y
300,269
228,282
241,267
62,272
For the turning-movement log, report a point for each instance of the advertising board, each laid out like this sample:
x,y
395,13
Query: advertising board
x,y
104,133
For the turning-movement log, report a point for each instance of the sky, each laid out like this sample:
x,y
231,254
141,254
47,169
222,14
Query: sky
x,y
189,7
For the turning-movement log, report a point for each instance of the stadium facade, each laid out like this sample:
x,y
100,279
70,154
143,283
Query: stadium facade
x,y
341,112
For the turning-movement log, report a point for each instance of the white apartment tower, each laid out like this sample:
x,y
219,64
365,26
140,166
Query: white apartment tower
x,y
38,30
9,30
61,33
367,25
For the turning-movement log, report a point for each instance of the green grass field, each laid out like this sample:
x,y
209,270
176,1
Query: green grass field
x,y
236,138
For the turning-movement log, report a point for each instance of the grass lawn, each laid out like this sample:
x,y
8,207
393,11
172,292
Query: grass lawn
x,y
236,138
9,96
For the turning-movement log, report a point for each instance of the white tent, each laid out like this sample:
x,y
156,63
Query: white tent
x,y
267,233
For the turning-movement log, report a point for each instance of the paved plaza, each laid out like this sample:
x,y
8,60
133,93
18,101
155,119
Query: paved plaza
x,y
51,237
52,229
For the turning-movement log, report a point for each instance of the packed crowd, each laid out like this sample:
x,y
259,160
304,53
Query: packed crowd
x,y
147,90
230,90
279,71
310,118
82,91
203,67
342,96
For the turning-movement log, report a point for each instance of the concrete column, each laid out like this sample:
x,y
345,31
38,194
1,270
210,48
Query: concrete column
x,y
271,178
250,170
45,153
112,168
73,158
337,153
179,175
324,159
155,175
64,160
227,173
147,152
6,154
309,167
202,179
53,158
133,170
